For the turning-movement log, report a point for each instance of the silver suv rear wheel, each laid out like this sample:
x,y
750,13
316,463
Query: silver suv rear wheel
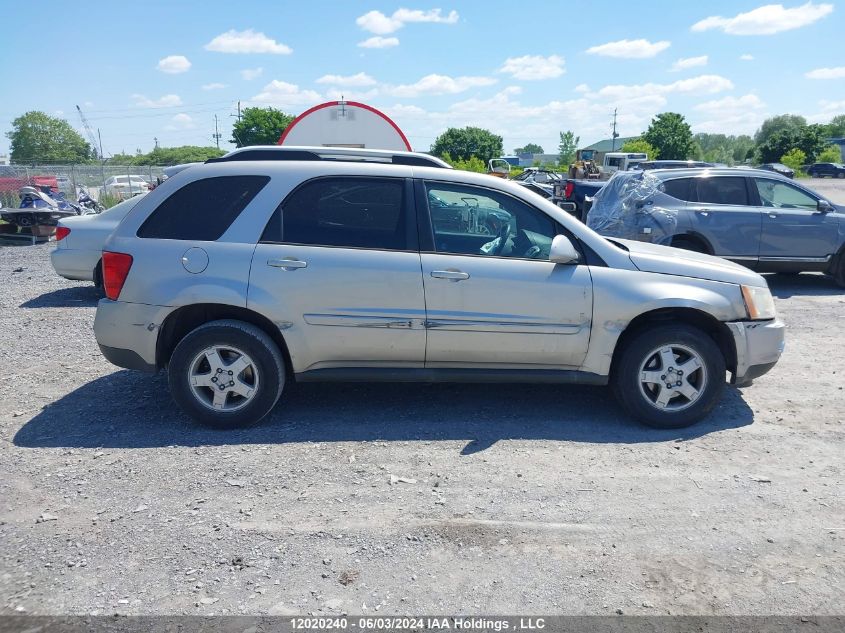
x,y
226,374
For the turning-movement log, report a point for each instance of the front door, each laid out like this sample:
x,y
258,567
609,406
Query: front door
x,y
793,227
338,270
493,298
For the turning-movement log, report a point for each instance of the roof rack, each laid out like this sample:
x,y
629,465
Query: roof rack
x,y
344,154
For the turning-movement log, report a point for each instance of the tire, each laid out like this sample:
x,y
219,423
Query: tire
x,y
98,276
688,244
250,393
839,272
840,175
641,356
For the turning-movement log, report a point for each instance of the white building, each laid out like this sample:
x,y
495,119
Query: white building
x,y
345,124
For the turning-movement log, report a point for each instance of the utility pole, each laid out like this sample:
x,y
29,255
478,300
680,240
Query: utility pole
x,y
615,134
216,134
238,115
155,141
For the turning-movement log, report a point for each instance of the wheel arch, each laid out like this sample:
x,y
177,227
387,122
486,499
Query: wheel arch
x,y
710,325
187,318
693,236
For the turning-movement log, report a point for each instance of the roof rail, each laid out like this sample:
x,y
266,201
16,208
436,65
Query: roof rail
x,y
345,154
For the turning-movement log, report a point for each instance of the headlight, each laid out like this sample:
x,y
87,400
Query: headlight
x,y
758,303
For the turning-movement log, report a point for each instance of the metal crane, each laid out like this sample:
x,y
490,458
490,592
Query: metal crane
x,y
91,138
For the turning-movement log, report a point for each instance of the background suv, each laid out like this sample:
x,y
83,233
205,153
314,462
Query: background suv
x,y
822,170
756,218
239,275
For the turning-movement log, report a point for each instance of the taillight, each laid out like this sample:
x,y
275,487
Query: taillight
x,y
115,270
62,232
568,189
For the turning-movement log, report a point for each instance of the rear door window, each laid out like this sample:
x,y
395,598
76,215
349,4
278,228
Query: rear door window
x,y
679,188
728,190
350,212
203,209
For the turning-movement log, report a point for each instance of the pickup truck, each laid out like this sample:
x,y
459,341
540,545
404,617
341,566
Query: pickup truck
x,y
574,190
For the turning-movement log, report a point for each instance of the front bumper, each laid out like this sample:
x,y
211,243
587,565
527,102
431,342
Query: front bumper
x,y
759,345
127,333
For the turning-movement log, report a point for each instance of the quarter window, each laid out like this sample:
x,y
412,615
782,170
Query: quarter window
x,y
722,190
476,221
345,212
783,196
203,209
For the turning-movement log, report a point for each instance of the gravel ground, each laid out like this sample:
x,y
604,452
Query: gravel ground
x,y
392,499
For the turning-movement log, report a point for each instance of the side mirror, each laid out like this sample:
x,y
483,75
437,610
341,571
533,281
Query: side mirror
x,y
824,206
562,251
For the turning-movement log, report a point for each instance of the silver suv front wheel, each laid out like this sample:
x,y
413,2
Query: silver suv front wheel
x,y
669,375
226,374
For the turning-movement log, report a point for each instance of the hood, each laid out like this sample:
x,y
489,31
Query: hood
x,y
666,260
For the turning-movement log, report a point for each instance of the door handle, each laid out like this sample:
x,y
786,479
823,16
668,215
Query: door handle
x,y
704,212
772,214
451,275
288,263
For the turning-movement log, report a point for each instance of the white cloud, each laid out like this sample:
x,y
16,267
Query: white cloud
x,y
351,94
766,20
379,42
631,49
531,67
827,73
746,57
439,85
703,84
247,41
582,88
282,94
827,110
689,62
251,73
730,115
174,64
358,80
166,101
181,121
381,24
214,86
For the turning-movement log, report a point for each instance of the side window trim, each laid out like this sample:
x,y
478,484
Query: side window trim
x,y
408,209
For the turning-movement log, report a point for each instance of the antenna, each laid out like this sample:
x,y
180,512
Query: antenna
x,y
90,133
615,134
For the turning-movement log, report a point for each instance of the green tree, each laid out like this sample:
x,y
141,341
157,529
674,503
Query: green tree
x,y
776,145
831,154
639,145
794,159
812,140
169,156
39,138
780,123
260,126
473,163
463,143
836,127
567,147
670,135
531,148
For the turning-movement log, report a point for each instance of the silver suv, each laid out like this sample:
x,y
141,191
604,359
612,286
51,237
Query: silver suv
x,y
273,265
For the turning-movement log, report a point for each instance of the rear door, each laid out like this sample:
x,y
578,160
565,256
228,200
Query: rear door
x,y
721,211
793,227
493,298
338,270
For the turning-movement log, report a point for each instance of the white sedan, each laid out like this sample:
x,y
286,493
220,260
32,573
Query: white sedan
x,y
126,186
80,240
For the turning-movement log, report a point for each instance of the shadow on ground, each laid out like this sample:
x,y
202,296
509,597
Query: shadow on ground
x,y
806,285
73,297
133,410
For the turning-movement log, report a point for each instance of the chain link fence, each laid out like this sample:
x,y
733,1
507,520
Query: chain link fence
x,y
66,178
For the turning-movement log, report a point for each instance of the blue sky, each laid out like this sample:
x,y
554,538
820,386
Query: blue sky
x,y
524,70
